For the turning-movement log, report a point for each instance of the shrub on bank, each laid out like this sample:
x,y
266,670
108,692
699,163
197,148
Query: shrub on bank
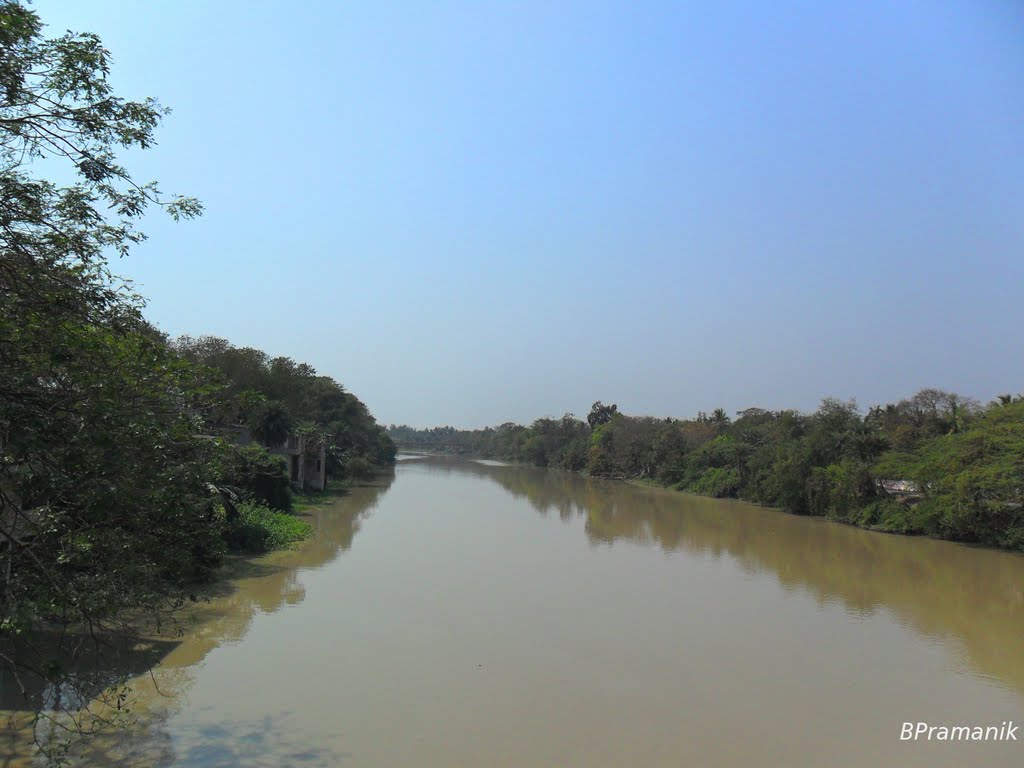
x,y
717,482
256,475
359,468
260,529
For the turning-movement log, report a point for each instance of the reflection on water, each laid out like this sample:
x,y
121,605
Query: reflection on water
x,y
259,585
504,616
267,742
939,588
264,585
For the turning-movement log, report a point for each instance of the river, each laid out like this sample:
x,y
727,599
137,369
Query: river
x,y
467,613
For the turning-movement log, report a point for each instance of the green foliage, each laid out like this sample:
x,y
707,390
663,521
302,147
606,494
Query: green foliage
x,y
720,453
116,469
716,481
58,104
255,475
600,458
270,423
601,414
276,397
571,456
972,480
105,512
535,451
895,516
110,484
260,529
967,461
381,447
359,468
668,453
840,491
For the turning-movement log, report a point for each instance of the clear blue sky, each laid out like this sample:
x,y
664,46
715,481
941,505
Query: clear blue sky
x,y
475,212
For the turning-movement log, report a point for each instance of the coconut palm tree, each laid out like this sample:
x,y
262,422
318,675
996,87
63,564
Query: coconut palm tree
x,y
270,423
720,419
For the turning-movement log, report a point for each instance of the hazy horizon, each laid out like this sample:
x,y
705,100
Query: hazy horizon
x,y
477,214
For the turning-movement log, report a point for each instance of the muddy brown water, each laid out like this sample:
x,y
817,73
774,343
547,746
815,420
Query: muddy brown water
x,y
465,613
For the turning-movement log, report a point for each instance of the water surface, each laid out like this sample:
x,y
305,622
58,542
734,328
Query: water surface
x,y
471,614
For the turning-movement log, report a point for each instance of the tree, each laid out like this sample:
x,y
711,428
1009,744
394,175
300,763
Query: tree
x,y
104,506
271,423
601,414
272,395
971,481
720,419
57,103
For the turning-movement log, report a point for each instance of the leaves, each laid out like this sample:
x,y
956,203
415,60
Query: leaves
x,y
104,516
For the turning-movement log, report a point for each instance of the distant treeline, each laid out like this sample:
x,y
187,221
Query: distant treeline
x,y
937,463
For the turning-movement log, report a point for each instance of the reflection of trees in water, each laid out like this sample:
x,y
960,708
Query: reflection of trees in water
x,y
260,743
939,588
253,585
86,701
265,584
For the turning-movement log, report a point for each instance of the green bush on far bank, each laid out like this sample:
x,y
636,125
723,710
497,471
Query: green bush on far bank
x,y
717,482
260,529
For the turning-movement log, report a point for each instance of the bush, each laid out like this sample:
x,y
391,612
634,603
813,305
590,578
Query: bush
x,y
971,480
894,516
672,475
600,461
572,456
840,491
1013,538
260,529
258,476
717,482
359,468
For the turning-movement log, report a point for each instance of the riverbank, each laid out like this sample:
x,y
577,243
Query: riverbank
x,y
964,461
260,530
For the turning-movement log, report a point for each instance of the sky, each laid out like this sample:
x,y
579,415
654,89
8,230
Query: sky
x,y
470,213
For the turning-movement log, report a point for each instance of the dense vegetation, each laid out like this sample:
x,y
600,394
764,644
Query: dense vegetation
x,y
257,528
119,489
275,397
963,464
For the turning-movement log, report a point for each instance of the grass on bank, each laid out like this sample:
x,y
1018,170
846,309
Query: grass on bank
x,y
260,529
302,502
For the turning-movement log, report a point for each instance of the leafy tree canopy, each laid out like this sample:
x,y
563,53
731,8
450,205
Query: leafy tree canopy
x,y
104,511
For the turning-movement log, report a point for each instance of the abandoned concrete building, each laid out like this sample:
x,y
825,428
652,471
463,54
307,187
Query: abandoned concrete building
x,y
307,461
306,456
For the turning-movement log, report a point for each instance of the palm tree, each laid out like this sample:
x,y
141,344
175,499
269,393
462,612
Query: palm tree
x,y
270,423
720,419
